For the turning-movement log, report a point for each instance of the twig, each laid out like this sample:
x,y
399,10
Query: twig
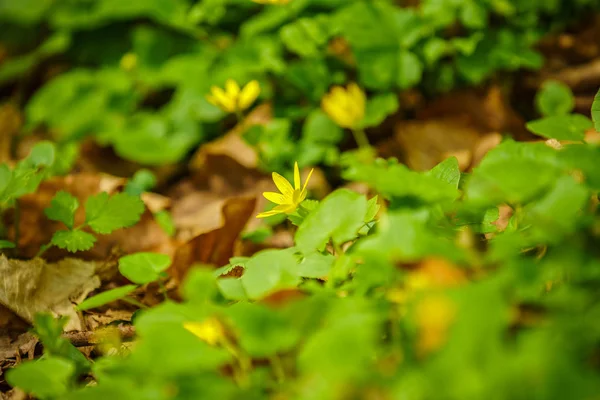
x,y
89,338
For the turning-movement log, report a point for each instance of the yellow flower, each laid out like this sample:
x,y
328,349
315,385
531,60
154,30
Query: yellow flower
x,y
210,330
271,1
434,317
128,62
290,197
234,99
345,106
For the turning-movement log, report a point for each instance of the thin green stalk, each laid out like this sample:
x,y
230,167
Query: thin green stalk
x,y
135,302
278,369
361,138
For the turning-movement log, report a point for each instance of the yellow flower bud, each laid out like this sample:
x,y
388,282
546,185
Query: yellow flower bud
x,y
345,106
233,99
210,330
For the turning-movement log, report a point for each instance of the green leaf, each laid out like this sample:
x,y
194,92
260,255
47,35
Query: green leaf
x,y
43,154
410,69
268,271
372,209
50,330
339,217
351,324
62,208
447,171
73,241
306,36
596,111
106,297
384,179
561,127
263,331
47,378
491,215
142,181
106,214
404,236
555,98
512,173
232,289
142,268
165,221
556,214
378,108
315,265
320,128
5,244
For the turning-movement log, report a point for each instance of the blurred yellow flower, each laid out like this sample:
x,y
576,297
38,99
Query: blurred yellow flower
x,y
290,197
345,106
233,99
128,62
434,316
210,330
271,1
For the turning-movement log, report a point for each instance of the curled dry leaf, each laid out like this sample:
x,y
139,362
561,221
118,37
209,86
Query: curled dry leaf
x,y
453,125
34,286
198,201
232,144
217,246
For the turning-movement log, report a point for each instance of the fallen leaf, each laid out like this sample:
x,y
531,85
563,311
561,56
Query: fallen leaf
x,y
35,286
11,121
424,144
217,246
232,144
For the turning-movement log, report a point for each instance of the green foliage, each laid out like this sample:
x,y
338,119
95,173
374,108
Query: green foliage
x,y
142,268
562,127
47,378
103,215
145,90
106,297
483,284
596,111
555,98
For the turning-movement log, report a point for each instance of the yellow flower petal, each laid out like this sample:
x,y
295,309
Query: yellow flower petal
x,y
232,89
249,94
307,179
296,176
280,209
358,99
210,330
223,100
283,185
273,197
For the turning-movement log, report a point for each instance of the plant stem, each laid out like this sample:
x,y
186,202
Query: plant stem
x,y
278,369
135,302
361,138
17,225
243,365
239,115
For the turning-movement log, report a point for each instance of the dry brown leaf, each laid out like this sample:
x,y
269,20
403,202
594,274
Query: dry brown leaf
x,y
485,111
11,121
197,202
424,144
232,144
217,246
23,345
34,286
